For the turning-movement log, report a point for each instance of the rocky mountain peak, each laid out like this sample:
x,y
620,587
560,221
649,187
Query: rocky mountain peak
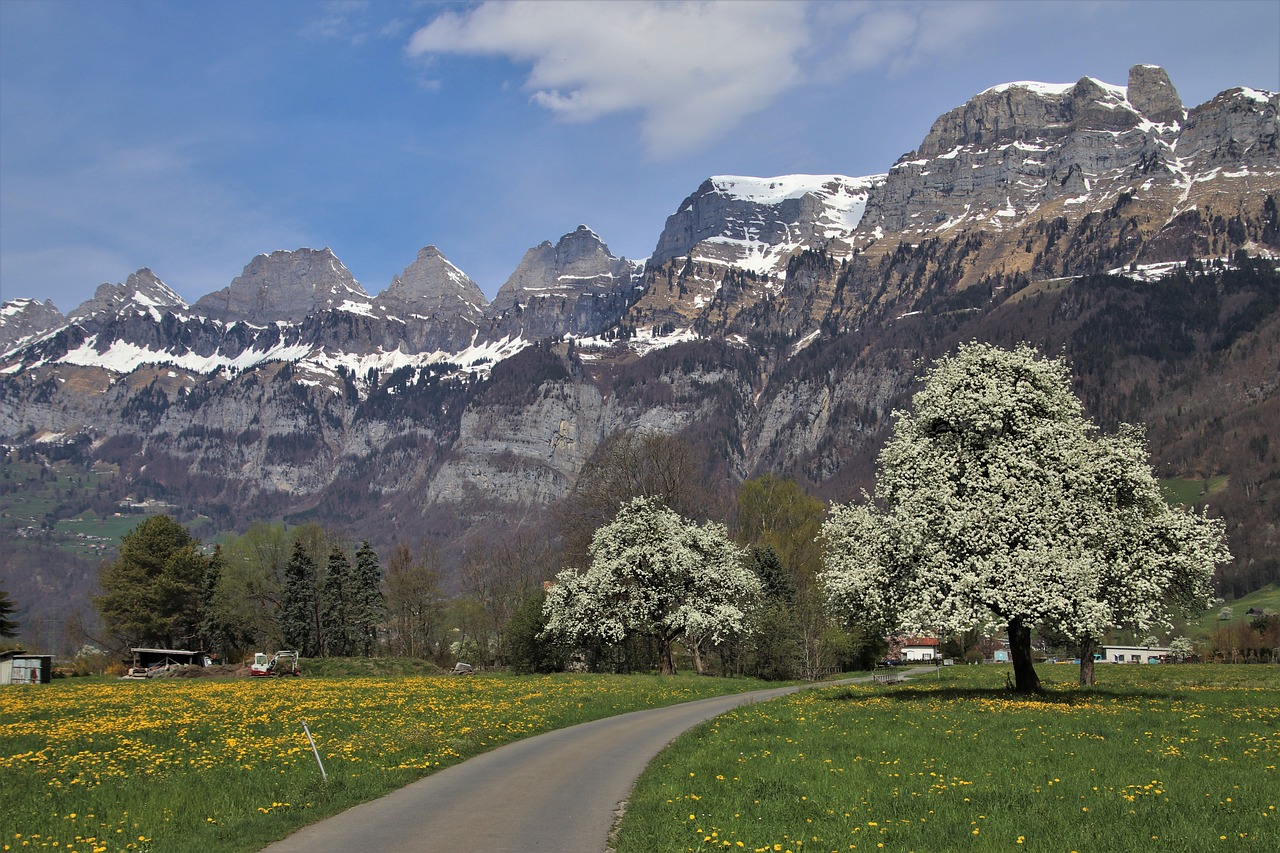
x,y
286,285
580,263
1151,93
433,287
757,223
26,318
142,291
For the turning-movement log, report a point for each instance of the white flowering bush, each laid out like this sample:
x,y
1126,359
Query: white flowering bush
x,y
997,504
655,573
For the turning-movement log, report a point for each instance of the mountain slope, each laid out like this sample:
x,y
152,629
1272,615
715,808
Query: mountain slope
x,y
777,326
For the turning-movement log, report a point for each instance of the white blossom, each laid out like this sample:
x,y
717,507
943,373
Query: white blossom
x,y
653,572
997,501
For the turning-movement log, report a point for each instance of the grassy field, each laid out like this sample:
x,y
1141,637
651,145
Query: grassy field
x,y
212,765
1267,598
1168,758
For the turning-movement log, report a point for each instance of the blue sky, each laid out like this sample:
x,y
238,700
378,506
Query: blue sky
x,y
189,137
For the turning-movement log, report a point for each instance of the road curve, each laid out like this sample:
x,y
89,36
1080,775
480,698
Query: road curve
x,y
555,791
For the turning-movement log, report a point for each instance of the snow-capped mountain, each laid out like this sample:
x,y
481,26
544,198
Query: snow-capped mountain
x,y
287,286
141,293
24,319
777,324
757,224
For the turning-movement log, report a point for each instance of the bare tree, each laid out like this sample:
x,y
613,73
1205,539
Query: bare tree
x,y
415,607
629,465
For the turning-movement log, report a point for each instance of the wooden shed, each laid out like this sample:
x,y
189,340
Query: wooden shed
x,y
18,667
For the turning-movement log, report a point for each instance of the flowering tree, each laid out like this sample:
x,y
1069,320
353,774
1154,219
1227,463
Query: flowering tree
x,y
654,573
999,506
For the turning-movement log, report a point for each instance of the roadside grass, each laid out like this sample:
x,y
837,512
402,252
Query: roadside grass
x,y
207,765
1169,758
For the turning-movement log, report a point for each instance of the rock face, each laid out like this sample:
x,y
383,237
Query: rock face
x,y
440,306
1151,93
778,324
758,223
23,319
141,292
433,288
1237,126
575,287
286,286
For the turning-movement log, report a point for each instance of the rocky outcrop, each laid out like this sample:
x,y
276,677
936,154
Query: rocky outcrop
x,y
1151,93
141,292
1239,126
756,224
23,319
286,286
575,287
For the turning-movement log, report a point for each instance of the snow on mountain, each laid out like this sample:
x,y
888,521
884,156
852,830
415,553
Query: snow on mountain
x,y
141,293
22,320
756,224
287,286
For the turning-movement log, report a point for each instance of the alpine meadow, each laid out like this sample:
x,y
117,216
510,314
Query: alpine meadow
x,y
965,470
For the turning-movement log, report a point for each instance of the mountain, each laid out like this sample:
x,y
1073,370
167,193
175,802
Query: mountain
x,y
23,319
575,287
777,326
288,287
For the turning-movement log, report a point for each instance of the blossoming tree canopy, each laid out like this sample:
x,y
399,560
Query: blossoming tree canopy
x,y
654,573
999,505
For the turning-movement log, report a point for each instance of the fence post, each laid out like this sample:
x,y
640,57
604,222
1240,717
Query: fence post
x,y
316,752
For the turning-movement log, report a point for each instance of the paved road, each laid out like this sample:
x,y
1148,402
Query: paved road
x,y
557,791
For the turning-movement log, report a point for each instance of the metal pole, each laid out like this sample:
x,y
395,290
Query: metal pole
x,y
316,752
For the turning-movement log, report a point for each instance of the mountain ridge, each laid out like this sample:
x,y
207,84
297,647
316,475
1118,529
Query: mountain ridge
x,y
777,326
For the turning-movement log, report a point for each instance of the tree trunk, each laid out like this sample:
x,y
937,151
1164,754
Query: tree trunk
x,y
668,662
695,648
1025,679
1087,645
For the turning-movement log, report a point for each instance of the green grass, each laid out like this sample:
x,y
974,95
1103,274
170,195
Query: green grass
x,y
1170,758
1267,598
209,765
1189,492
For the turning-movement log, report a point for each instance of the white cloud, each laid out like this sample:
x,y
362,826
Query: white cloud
x,y
692,70
898,36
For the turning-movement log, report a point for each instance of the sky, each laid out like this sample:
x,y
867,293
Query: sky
x,y
190,137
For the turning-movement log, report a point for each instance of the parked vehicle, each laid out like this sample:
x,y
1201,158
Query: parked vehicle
x,y
284,662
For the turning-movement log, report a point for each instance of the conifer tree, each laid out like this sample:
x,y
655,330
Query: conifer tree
x,y
297,612
336,606
8,627
369,604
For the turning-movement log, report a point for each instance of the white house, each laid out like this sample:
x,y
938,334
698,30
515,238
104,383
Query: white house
x,y
917,648
1135,654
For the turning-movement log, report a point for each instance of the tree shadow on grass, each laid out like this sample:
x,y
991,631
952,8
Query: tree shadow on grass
x,y
1049,698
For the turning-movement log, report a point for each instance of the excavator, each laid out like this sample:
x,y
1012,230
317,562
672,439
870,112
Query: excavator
x,y
283,662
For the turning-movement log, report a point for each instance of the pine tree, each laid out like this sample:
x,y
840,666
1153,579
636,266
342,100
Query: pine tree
x,y
369,604
151,593
336,606
297,613
8,627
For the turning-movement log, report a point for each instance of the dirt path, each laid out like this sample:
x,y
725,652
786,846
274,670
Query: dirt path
x,y
558,791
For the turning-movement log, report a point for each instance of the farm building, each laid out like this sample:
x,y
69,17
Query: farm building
x,y
150,661
1135,654
915,648
18,667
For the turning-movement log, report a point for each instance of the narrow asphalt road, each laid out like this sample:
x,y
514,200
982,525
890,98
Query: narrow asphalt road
x,y
557,791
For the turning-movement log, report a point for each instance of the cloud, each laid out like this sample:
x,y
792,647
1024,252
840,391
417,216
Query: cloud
x,y
692,70
898,36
